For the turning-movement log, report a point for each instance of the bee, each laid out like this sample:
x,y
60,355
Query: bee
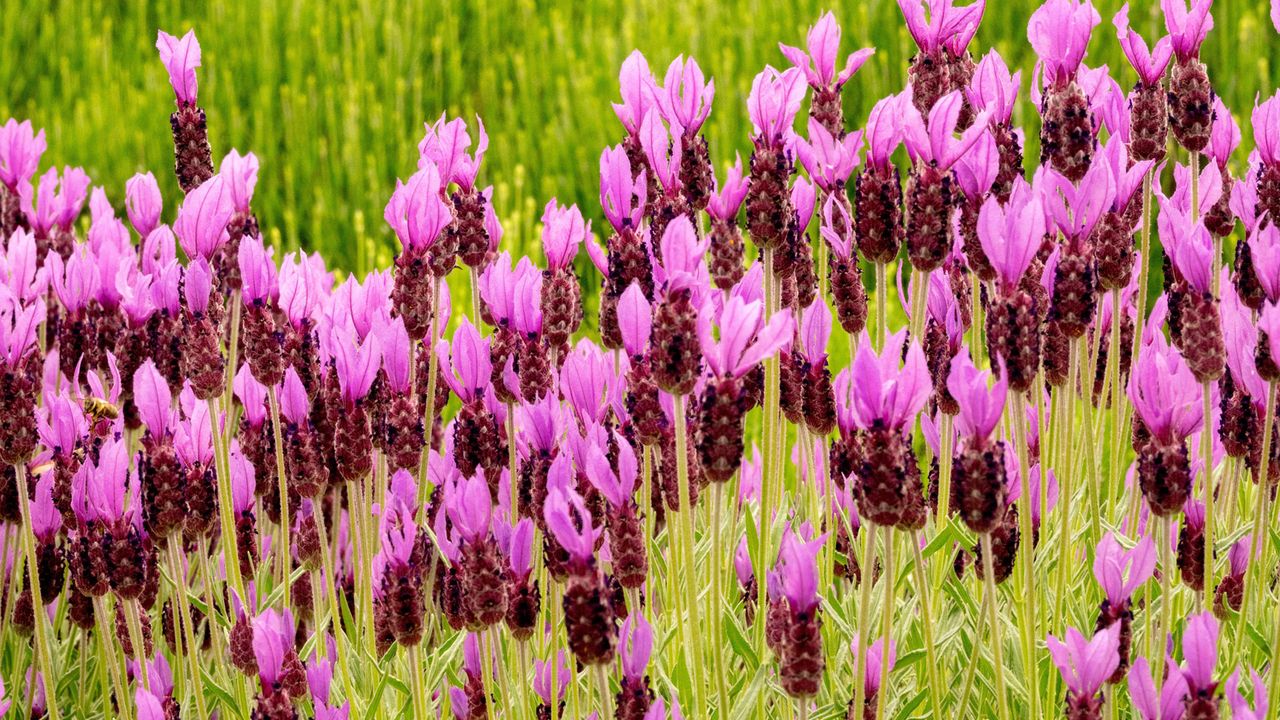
x,y
98,409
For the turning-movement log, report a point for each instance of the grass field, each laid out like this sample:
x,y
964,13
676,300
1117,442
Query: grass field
x,y
332,96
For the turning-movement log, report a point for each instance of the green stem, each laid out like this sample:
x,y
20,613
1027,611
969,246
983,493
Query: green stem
x,y
134,626
931,659
330,591
1253,582
886,612
1026,551
106,635
692,649
429,402
882,306
1143,268
282,486
606,697
993,617
225,506
421,707
188,627
44,652
716,600
864,620
1206,457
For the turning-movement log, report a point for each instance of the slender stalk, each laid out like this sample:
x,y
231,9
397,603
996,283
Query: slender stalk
x,y
882,306
886,612
552,655
512,477
429,402
1144,264
1117,393
945,452
1026,550
188,627
110,656
225,507
421,706
1206,456
1253,582
1064,430
475,297
134,625
602,687
926,620
330,591
716,600
44,653
997,651
1167,568
864,620
282,484
692,649
650,542
771,426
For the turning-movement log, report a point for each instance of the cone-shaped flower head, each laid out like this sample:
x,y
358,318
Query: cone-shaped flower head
x,y
181,57
819,63
1086,663
1121,571
1059,33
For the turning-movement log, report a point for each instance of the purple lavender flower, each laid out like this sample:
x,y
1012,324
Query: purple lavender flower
x,y
819,66
181,57
1168,705
1242,709
1085,665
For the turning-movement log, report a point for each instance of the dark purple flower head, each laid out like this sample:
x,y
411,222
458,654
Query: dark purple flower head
x,y
259,278
563,231
798,570
885,390
1086,663
829,160
993,88
20,151
773,103
1169,704
623,196
566,513
1188,26
745,338
935,142
1011,233
980,407
948,26
819,64
181,57
445,145
1151,63
468,356
417,210
635,646
1112,563
1200,652
685,97
1059,33
143,203
202,218
1242,709
1164,392
638,91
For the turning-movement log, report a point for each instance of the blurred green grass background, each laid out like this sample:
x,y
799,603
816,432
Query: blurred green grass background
x,y
332,95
